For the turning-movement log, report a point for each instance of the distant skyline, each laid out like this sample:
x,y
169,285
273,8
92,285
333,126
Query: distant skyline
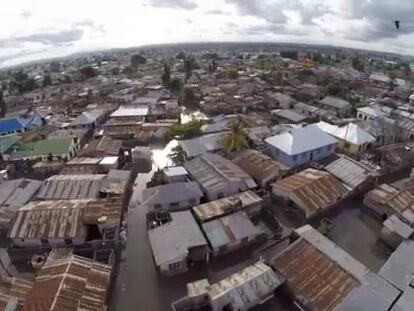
x,y
32,30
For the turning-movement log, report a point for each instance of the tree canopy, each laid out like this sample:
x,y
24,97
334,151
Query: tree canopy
x,y
138,59
185,131
3,107
88,72
236,139
166,75
188,99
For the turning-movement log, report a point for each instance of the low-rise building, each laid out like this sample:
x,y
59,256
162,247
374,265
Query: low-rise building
x,y
69,281
202,145
243,290
394,231
301,145
173,197
351,137
247,201
230,232
261,167
339,106
88,119
310,190
319,275
218,177
177,243
175,174
288,116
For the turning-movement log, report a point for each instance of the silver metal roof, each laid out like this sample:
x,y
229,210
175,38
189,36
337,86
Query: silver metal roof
x,y
172,240
171,193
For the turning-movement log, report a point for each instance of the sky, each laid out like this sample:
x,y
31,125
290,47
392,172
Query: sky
x,y
31,30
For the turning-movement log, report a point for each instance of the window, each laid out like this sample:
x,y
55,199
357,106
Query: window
x,y
192,201
175,266
294,158
304,155
68,242
329,147
174,204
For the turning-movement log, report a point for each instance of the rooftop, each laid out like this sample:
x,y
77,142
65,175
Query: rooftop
x,y
207,211
301,140
351,132
290,115
173,239
55,146
172,193
335,102
69,282
228,229
124,111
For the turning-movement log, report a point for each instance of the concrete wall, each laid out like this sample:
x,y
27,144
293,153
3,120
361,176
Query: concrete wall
x,y
300,159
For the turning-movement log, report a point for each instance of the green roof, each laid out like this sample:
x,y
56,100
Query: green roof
x,y
57,146
6,142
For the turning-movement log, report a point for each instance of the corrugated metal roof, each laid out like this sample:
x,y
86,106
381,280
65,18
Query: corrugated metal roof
x,y
220,207
349,171
399,268
103,211
172,193
172,240
71,187
335,102
213,172
311,190
405,302
380,195
71,283
315,280
229,229
259,165
61,219
241,289
394,224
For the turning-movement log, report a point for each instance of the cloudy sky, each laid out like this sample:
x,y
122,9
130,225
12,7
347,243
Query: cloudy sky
x,y
45,28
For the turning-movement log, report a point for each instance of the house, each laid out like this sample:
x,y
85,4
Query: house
x,y
247,201
288,116
334,279
88,119
218,177
12,126
202,145
311,191
353,174
55,223
130,113
339,106
301,145
69,280
281,100
261,167
13,195
351,137
7,142
384,130
395,157
66,187
307,110
380,79
57,149
175,174
173,197
243,290
230,232
373,112
177,243
394,231
256,135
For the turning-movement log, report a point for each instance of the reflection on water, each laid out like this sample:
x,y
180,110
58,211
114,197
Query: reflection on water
x,y
160,156
188,116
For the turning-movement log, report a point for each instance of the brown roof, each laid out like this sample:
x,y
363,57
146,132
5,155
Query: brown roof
x,y
68,283
105,211
259,165
311,190
109,146
11,287
382,194
49,219
315,280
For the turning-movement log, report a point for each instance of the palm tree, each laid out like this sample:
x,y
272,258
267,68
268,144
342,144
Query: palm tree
x,y
235,140
177,155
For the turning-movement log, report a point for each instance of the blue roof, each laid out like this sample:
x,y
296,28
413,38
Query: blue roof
x,y
11,125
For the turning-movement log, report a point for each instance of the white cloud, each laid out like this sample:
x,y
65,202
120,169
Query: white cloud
x,y
37,29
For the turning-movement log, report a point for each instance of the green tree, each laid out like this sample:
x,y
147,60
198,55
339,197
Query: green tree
x,y
184,131
166,75
180,55
236,139
175,86
88,72
138,59
3,107
177,155
358,64
232,74
188,99
47,80
334,89
189,65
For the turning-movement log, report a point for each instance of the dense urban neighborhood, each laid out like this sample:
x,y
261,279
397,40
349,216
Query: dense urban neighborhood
x,y
222,177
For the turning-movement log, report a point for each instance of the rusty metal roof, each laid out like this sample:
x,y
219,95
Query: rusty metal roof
x,y
311,190
381,195
68,282
349,171
315,280
105,211
259,165
61,219
220,207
